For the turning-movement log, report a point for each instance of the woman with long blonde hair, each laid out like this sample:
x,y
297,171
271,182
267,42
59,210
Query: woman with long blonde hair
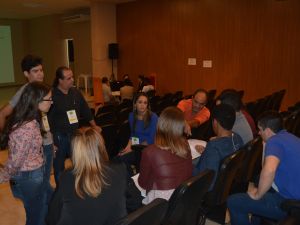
x,y
93,191
167,163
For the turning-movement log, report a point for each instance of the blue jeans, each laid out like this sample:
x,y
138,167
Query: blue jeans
x,y
48,156
29,186
240,205
63,144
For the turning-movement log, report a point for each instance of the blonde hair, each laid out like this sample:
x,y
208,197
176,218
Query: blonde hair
x,y
89,158
170,132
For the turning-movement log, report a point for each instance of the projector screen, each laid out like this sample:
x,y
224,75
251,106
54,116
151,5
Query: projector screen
x,y
6,56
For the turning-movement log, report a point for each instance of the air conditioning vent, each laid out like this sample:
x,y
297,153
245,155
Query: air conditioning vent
x,y
76,18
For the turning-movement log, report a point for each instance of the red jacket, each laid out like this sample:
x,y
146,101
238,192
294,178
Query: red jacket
x,y
162,170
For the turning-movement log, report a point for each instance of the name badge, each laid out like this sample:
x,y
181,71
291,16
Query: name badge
x,y
135,140
72,116
45,123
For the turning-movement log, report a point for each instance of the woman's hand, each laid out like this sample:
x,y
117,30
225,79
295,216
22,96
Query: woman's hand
x,y
125,151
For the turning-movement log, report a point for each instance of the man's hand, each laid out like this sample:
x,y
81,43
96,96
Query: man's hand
x,y
252,192
200,149
187,129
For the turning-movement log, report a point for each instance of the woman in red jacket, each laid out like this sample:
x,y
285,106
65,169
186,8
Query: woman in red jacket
x,y
168,162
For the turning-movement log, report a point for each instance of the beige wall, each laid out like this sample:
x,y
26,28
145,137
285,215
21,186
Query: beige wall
x,y
20,45
103,30
81,34
46,41
44,36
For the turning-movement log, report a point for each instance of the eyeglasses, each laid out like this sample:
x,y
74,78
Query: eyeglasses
x,y
200,104
48,100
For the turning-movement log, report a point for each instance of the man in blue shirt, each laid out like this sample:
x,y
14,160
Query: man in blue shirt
x,y
279,178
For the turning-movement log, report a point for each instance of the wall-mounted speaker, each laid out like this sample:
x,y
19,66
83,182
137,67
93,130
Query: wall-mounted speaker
x,y
113,51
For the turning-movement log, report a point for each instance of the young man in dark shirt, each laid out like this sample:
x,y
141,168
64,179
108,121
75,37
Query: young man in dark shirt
x,y
225,143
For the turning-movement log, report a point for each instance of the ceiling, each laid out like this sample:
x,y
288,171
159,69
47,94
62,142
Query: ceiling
x,y
26,9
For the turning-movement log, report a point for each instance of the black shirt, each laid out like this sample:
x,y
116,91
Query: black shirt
x,y
66,208
62,103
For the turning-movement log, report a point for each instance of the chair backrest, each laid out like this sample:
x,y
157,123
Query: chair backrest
x,y
255,159
185,203
137,150
241,93
109,133
151,94
123,134
251,165
211,94
123,114
227,172
177,97
278,100
105,118
126,103
105,109
150,214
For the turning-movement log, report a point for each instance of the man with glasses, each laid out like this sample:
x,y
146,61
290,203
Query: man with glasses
x,y
195,112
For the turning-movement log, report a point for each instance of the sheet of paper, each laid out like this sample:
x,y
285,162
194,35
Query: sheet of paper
x,y
193,143
135,180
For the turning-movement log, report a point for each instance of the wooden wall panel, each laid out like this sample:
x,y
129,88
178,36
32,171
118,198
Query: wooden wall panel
x,y
254,44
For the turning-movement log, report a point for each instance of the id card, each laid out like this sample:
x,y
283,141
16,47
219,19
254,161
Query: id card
x,y
135,141
45,123
72,116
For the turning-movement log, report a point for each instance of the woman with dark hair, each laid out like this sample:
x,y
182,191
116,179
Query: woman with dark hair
x,y
168,162
142,123
93,191
25,165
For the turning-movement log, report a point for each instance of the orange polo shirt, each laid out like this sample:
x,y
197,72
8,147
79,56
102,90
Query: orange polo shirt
x,y
186,107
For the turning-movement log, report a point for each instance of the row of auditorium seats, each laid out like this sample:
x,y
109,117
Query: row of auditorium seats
x,y
270,102
291,119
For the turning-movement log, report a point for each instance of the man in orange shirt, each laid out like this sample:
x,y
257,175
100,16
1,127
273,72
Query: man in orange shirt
x,y
195,112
